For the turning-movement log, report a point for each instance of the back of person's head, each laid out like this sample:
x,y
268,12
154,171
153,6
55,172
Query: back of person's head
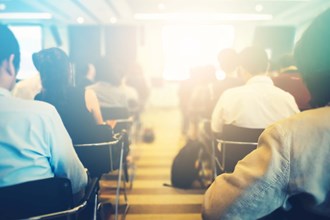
x,y
228,60
109,72
312,54
254,60
54,67
8,46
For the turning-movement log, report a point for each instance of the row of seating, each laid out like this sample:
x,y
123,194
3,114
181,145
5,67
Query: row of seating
x,y
222,151
53,198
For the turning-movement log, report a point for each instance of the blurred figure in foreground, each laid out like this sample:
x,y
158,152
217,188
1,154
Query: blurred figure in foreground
x,y
33,141
290,168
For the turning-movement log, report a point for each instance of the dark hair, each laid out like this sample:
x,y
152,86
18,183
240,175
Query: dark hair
x,y
312,54
254,60
54,67
228,60
8,46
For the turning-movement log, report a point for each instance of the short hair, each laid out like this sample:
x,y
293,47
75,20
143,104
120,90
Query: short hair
x,y
254,59
9,45
312,54
228,60
54,67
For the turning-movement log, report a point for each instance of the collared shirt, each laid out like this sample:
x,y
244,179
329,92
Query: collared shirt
x,y
292,158
257,104
34,144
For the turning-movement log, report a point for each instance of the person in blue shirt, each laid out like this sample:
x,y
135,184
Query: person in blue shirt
x,y
290,167
34,143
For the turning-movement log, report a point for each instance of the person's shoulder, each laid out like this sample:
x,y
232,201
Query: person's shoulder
x,y
280,91
313,120
36,107
234,91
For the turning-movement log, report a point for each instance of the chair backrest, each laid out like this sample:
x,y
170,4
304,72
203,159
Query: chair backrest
x,y
101,157
112,113
35,198
236,143
120,114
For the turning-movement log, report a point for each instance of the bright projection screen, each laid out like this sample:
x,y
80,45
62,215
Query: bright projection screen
x,y
187,46
30,40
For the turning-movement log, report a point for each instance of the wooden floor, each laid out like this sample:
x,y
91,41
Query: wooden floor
x,y
150,198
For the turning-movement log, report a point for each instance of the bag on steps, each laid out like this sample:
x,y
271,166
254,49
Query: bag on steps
x,y
184,170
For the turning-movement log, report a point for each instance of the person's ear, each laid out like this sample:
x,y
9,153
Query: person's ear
x,y
10,66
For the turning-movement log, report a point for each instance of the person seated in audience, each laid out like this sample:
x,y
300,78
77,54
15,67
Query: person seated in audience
x,y
292,157
289,80
228,61
200,101
34,143
185,91
109,88
201,98
256,104
135,78
78,108
85,75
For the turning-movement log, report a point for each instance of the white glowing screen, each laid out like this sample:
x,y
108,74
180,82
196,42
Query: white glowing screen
x,y
187,46
30,41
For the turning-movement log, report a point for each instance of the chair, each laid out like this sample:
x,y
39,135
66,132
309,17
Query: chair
x,y
46,199
125,120
122,116
99,159
234,143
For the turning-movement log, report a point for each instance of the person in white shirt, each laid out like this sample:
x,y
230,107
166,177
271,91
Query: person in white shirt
x,y
287,176
256,104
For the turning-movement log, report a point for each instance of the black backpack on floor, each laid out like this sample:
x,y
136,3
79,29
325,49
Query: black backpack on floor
x,y
184,170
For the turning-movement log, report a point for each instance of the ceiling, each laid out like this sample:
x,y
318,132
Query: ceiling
x,y
124,11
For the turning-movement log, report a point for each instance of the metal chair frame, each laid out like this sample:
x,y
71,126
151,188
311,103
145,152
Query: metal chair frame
x,y
91,190
222,148
247,138
119,138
